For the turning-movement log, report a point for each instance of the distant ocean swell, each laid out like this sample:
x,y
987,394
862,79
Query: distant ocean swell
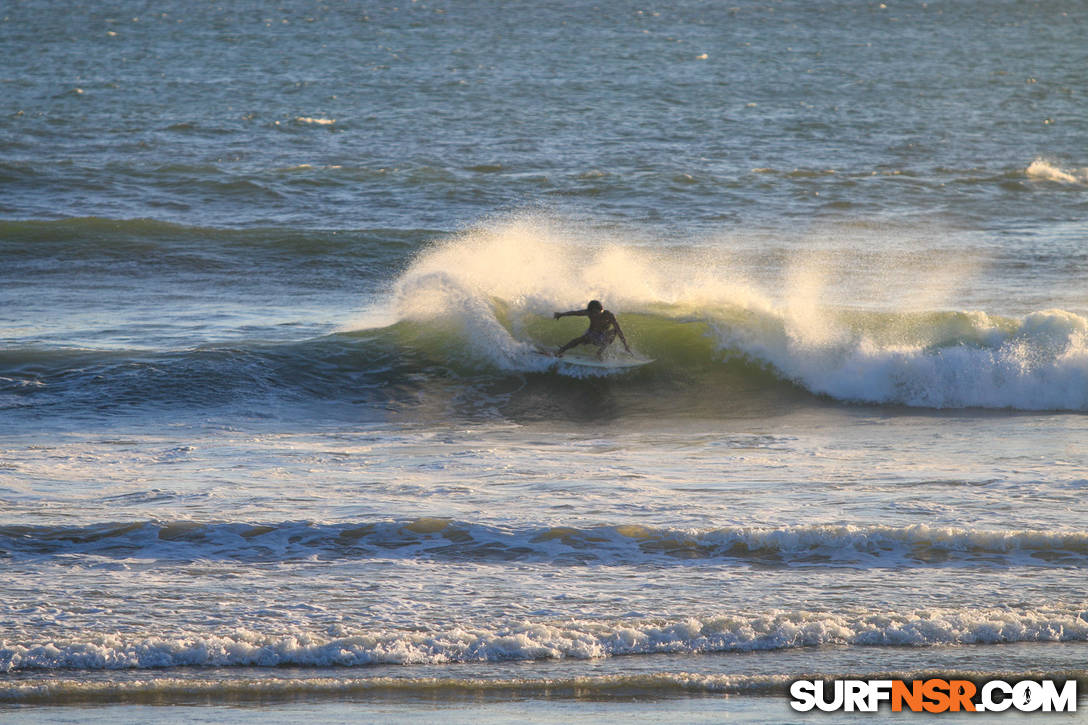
x,y
622,545
161,244
180,188
570,639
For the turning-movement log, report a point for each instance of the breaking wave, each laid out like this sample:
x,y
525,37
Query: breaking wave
x,y
570,639
472,313
488,297
619,545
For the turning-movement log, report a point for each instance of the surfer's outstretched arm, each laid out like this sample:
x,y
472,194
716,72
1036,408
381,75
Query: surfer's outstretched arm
x,y
572,313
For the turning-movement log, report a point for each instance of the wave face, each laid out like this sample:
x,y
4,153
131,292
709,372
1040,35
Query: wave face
x,y
622,545
926,360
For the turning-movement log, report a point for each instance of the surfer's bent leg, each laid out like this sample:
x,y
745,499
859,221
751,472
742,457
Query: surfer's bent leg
x,y
603,341
576,341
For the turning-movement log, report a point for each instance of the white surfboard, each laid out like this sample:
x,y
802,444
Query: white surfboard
x,y
618,363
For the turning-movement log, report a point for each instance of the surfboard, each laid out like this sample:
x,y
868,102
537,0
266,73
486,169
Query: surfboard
x,y
619,363
616,364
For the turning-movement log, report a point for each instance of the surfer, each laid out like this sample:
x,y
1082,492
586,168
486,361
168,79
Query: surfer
x,y
603,329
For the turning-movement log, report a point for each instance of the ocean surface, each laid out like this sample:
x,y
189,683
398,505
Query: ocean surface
x,y
276,440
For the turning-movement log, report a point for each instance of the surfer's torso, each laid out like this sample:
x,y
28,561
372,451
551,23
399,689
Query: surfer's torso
x,y
600,325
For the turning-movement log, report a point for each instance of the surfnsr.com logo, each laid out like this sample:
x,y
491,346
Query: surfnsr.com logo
x,y
934,695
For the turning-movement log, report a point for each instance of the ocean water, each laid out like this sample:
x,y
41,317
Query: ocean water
x,y
276,440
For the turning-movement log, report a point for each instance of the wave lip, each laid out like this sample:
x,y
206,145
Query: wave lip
x,y
569,639
617,545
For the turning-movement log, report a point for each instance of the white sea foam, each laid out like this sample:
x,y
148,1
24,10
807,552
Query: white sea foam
x,y
1041,363
573,639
